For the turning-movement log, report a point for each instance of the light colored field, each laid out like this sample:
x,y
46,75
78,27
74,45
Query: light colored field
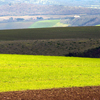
x,y
98,25
59,24
25,72
48,23
44,24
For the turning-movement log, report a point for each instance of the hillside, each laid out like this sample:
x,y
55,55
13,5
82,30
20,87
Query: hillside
x,y
53,47
31,9
47,23
87,20
70,41
51,33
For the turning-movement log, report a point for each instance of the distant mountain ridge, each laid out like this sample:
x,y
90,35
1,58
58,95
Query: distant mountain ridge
x,y
32,9
55,2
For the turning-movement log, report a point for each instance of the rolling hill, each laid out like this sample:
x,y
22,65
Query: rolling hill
x,y
47,23
69,41
32,9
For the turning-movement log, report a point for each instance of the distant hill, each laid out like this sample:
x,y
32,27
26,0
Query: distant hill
x,y
89,20
32,9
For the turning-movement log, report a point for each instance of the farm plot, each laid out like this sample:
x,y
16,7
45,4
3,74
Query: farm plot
x,y
48,23
98,25
51,33
27,72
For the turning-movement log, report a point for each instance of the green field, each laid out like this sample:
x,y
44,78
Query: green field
x,y
25,72
98,25
51,33
44,23
47,23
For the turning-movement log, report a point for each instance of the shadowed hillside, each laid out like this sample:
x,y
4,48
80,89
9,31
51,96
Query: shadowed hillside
x,y
53,47
93,53
70,41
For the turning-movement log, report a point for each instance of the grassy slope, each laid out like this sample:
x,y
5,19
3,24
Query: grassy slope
x,y
98,25
44,23
63,47
22,72
59,24
50,33
48,23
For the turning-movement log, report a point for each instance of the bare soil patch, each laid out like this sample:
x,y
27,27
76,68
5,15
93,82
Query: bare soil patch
x,y
75,93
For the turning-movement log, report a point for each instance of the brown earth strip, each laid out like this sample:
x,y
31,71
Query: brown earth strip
x,y
75,93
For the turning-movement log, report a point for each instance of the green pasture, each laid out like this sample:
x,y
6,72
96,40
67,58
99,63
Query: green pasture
x,y
27,72
59,24
51,33
47,23
44,23
98,25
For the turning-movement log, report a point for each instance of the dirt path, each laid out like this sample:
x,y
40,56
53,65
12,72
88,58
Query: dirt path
x,y
76,93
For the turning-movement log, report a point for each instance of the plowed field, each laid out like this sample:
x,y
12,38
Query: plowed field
x,y
75,93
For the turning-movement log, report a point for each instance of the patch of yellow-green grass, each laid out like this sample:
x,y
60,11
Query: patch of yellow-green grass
x,y
98,25
44,23
59,24
25,72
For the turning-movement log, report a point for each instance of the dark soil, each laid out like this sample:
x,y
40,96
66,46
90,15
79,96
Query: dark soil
x,y
75,93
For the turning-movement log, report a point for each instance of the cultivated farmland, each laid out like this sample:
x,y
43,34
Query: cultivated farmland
x,y
71,41
48,23
51,33
28,72
54,75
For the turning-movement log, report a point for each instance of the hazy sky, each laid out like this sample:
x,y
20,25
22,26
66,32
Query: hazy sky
x,y
58,2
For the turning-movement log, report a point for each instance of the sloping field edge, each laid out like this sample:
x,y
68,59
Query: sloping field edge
x,y
75,93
